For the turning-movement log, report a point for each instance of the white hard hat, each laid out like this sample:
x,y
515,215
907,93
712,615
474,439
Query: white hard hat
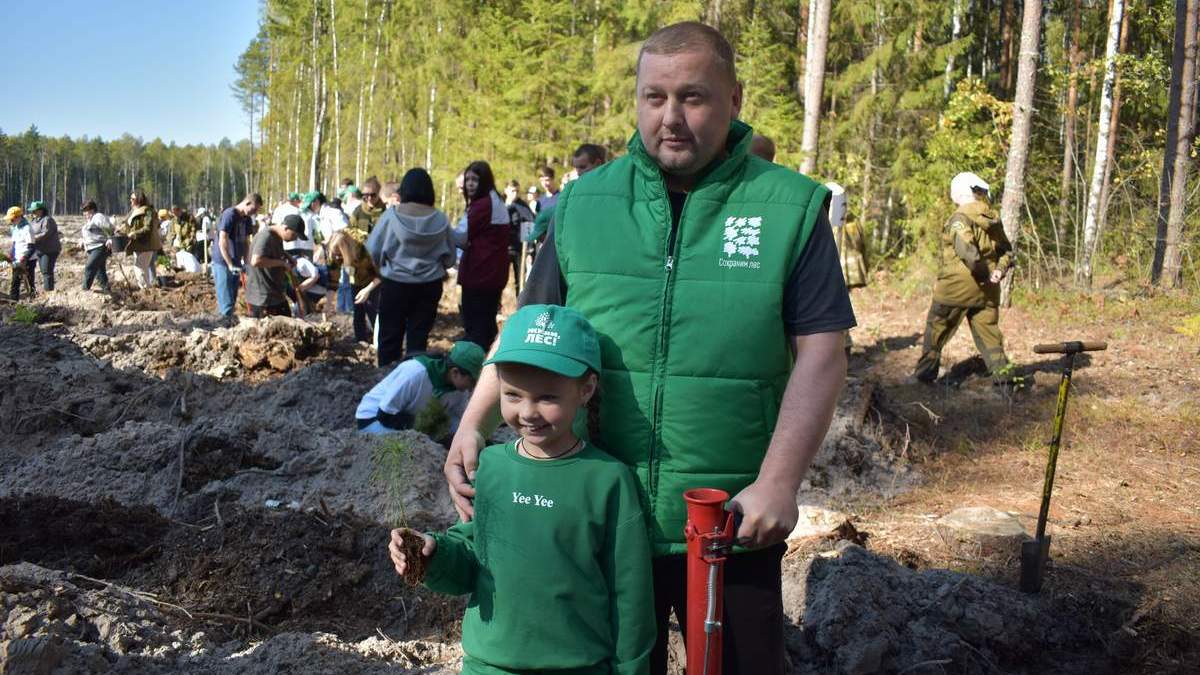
x,y
837,204
963,186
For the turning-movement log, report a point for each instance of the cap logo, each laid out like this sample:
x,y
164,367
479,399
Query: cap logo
x,y
542,331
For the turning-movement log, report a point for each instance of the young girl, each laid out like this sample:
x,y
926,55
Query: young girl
x,y
557,559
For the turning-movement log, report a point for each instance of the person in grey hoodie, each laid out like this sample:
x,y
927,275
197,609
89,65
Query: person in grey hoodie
x,y
46,242
412,246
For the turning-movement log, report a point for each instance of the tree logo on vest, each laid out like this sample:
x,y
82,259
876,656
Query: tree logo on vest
x,y
542,331
741,241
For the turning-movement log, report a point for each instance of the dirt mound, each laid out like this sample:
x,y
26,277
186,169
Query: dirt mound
x,y
60,622
183,294
855,461
101,540
859,612
253,347
256,571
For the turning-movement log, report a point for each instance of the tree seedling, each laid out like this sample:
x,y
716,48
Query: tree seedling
x,y
391,460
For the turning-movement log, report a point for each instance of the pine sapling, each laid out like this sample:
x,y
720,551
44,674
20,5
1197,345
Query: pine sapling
x,y
391,460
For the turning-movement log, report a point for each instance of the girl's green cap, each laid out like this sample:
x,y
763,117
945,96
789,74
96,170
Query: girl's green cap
x,y
558,339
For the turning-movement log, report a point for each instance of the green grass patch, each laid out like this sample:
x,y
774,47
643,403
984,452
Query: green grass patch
x,y
25,314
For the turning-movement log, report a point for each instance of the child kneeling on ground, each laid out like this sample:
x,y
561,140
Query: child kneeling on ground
x,y
557,559
394,403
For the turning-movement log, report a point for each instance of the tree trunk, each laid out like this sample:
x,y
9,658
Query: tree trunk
x,y
337,95
1104,127
358,146
1006,41
314,168
371,90
1106,184
1066,211
814,82
1181,130
955,31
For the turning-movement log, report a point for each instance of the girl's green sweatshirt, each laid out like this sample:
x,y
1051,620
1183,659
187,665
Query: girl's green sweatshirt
x,y
557,563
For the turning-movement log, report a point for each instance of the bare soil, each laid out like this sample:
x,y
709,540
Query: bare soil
x,y
179,495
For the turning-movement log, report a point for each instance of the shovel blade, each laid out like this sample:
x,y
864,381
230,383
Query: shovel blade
x,y
1034,554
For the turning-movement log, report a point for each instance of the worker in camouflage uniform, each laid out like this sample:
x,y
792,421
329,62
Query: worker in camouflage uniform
x,y
975,257
183,230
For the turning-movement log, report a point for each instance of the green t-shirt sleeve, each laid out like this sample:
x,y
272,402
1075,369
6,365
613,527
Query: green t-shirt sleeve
x,y
540,224
627,567
453,568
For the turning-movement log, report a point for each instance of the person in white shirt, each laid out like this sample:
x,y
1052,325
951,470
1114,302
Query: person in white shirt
x,y
286,208
94,239
410,387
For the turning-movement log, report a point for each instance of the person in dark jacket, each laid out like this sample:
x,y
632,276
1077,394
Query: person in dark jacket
x,y
412,246
46,242
483,272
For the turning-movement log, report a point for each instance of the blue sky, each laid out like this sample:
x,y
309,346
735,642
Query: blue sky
x,y
152,68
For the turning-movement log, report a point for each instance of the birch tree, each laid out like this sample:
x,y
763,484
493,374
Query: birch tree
x,y
1103,128
1018,148
814,81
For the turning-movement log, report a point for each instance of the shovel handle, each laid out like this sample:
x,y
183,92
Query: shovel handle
x,y
1070,347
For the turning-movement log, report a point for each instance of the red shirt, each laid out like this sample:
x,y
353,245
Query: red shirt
x,y
485,261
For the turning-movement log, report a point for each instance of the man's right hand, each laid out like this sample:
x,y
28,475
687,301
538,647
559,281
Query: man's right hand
x,y
461,462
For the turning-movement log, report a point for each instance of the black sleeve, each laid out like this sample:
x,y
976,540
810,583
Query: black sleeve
x,y
815,299
545,285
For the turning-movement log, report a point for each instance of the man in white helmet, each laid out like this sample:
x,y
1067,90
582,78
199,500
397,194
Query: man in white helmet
x,y
975,257
851,244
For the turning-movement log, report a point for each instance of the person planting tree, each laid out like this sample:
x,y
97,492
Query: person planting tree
x,y
395,401
557,559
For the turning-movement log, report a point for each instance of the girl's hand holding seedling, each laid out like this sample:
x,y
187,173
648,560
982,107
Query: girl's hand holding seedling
x,y
410,551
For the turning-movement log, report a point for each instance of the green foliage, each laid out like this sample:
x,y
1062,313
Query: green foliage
x,y
433,420
971,135
25,314
391,460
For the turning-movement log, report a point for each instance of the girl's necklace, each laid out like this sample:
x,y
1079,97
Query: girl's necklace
x,y
521,449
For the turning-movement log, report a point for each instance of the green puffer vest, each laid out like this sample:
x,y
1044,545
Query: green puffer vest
x,y
693,346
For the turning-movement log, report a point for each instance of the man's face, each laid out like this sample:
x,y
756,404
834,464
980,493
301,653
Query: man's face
x,y
510,193
685,103
546,182
288,234
583,164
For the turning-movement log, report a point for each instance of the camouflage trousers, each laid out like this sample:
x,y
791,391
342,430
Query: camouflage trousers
x,y
940,325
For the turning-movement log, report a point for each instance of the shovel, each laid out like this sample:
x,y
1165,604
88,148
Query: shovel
x,y
1035,553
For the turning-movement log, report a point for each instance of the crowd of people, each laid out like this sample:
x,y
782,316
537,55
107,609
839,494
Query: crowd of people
x,y
727,292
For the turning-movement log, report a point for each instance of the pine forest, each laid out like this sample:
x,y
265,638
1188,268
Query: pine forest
x,y
1080,114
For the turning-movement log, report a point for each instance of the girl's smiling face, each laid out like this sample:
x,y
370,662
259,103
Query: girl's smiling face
x,y
541,405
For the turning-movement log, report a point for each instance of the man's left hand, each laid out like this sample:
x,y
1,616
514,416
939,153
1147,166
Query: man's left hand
x,y
769,513
997,275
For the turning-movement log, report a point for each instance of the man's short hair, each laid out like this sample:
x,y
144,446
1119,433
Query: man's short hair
x,y
595,153
253,198
546,171
372,184
389,188
690,36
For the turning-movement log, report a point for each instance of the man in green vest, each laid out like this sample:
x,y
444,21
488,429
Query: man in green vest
x,y
712,279
974,258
